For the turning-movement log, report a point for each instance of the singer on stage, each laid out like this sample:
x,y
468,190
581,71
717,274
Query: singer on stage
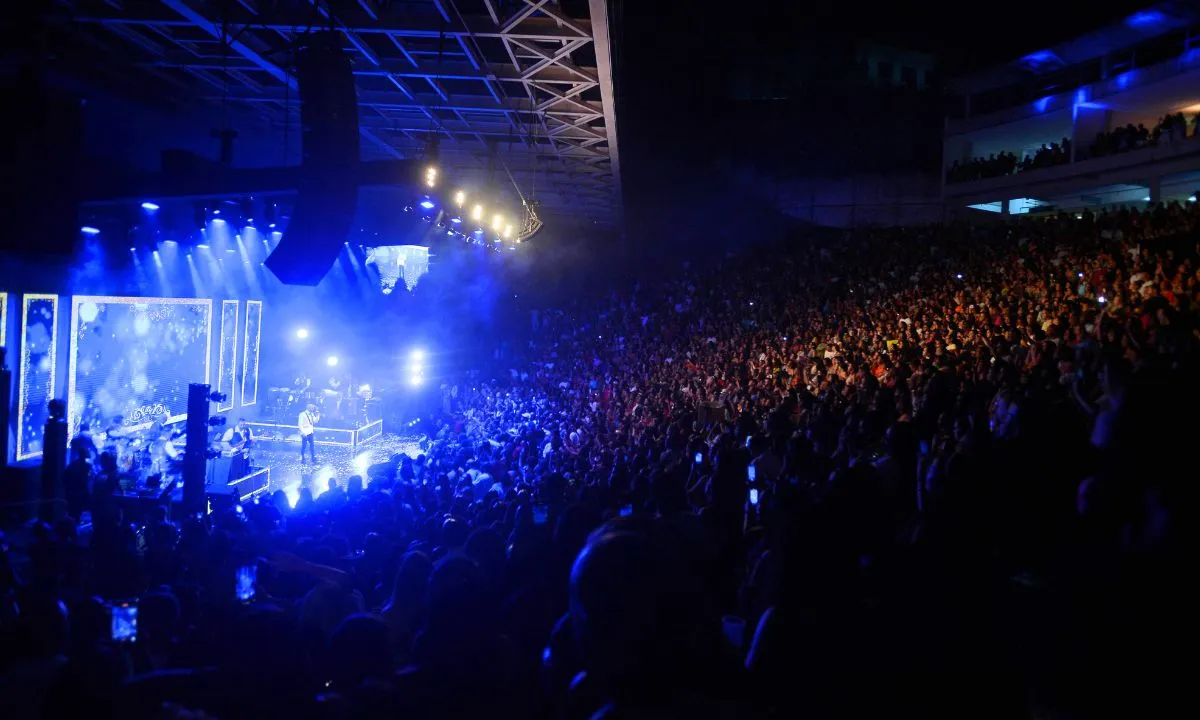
x,y
307,420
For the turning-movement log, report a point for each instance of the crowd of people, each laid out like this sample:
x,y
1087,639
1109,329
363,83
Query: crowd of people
x,y
1007,163
1170,129
929,472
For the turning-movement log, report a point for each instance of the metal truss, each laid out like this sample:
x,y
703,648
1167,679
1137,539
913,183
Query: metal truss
x,y
509,87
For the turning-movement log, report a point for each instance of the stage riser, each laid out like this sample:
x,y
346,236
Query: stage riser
x,y
290,434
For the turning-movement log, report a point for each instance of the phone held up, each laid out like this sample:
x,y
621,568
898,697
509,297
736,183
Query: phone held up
x,y
123,621
246,587
541,513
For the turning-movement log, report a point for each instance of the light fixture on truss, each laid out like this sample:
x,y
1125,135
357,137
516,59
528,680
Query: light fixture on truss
x,y
531,224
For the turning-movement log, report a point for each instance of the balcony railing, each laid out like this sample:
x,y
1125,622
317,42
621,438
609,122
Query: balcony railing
x,y
1163,158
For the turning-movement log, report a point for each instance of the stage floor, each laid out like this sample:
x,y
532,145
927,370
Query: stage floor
x,y
289,475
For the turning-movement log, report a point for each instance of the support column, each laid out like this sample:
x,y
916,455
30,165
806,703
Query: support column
x,y
1154,189
1087,123
1004,208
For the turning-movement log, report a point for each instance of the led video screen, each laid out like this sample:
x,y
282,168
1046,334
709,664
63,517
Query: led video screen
x,y
250,347
39,342
132,359
396,263
227,353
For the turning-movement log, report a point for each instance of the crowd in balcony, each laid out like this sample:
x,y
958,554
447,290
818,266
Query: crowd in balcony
x,y
923,472
1007,163
1170,129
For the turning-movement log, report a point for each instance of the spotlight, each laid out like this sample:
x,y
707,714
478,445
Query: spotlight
x,y
427,204
431,175
302,333
1146,199
149,206
456,220
477,213
89,230
415,380
497,223
460,197
331,361
417,356
507,231
217,211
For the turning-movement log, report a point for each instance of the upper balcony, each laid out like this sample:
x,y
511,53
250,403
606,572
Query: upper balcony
x,y
1105,60
1113,129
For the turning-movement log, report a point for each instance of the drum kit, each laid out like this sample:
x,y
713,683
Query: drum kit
x,y
342,405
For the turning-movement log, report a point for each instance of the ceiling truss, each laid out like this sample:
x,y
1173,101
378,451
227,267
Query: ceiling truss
x,y
510,87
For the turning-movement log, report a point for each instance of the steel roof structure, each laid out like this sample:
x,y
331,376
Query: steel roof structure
x,y
520,88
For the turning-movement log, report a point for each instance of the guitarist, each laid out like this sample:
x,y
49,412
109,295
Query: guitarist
x,y
236,443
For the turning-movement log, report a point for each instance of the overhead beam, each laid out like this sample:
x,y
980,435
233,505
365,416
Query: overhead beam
x,y
602,44
481,103
530,29
406,67
241,48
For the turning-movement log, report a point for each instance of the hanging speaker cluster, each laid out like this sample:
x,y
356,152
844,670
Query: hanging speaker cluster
x,y
328,197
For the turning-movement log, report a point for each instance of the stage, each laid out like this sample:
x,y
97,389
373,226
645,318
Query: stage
x,y
333,461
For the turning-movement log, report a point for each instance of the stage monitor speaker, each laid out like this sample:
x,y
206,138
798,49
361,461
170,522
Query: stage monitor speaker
x,y
195,452
328,198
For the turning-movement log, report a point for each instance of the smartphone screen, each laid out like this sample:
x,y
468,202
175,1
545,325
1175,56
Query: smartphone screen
x,y
748,439
750,473
753,496
124,621
627,511
541,513
699,458
247,583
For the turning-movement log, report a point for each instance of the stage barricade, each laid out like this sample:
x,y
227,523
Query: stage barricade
x,y
252,485
325,436
370,431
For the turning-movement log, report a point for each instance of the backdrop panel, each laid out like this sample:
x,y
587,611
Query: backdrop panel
x,y
133,358
227,357
250,348
35,387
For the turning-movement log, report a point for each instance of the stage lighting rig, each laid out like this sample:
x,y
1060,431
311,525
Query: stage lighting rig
x,y
431,177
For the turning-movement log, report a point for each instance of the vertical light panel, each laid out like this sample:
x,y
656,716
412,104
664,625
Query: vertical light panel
x,y
35,387
3,319
227,360
250,346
